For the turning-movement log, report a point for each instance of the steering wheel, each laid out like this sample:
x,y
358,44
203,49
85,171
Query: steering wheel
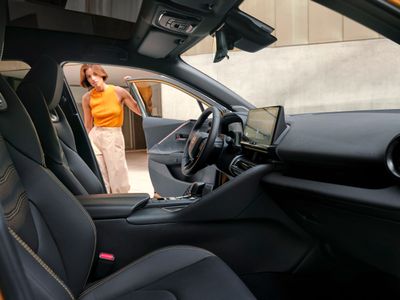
x,y
200,144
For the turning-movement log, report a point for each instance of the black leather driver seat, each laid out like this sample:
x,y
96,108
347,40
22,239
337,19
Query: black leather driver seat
x,y
56,239
40,92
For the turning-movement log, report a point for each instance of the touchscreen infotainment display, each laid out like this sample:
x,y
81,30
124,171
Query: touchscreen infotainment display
x,y
260,127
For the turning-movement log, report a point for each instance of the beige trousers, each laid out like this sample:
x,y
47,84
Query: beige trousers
x,y
109,147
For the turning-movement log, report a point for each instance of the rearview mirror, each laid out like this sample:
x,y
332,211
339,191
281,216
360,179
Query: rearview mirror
x,y
244,32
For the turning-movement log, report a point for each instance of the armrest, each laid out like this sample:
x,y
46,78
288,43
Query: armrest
x,y
108,206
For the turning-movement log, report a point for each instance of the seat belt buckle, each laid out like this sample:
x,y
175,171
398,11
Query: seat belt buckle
x,y
106,256
105,265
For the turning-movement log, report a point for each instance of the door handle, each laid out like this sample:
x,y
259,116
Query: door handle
x,y
181,137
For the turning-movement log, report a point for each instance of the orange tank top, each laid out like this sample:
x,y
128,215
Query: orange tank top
x,y
107,110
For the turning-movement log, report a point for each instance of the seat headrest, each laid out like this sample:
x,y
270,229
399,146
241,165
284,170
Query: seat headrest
x,y
47,76
16,126
3,15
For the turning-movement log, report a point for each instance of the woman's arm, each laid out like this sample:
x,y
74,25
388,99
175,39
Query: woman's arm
x,y
128,100
87,114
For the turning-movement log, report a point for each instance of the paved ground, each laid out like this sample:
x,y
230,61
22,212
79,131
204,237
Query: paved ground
x,y
139,177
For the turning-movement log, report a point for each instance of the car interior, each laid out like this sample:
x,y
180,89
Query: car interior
x,y
269,205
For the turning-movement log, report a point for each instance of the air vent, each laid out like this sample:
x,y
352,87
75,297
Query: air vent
x,y
239,165
393,157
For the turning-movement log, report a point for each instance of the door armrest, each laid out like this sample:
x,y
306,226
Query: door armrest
x,y
111,206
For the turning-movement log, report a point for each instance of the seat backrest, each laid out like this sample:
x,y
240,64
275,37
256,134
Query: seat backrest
x,y
40,91
54,236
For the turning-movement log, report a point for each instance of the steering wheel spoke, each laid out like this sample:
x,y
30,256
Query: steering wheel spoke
x,y
200,144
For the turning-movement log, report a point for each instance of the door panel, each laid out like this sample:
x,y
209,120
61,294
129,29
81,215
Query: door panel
x,y
165,107
156,129
165,158
164,152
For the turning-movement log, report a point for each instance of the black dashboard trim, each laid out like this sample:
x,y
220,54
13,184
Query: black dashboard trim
x,y
383,202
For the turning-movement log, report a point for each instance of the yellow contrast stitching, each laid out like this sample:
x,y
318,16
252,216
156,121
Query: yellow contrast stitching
x,y
40,261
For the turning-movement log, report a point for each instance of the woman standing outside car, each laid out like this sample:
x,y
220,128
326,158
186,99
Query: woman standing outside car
x,y
103,113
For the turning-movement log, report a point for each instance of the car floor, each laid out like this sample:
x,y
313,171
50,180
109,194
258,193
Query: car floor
x,y
139,177
340,277
368,286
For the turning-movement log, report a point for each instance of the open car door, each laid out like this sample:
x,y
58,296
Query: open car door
x,y
169,112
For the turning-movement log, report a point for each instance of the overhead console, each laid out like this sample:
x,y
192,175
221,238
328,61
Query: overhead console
x,y
169,29
177,23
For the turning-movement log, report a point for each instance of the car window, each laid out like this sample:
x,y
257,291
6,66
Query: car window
x,y
164,99
167,101
321,62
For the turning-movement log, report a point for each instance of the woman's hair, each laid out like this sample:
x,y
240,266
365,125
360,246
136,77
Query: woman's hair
x,y
97,69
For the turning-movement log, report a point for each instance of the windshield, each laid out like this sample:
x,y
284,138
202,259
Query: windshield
x,y
322,62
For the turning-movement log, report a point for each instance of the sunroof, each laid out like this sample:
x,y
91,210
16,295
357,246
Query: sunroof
x,y
106,18
126,10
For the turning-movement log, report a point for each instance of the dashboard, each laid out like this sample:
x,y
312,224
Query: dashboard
x,y
361,145
334,173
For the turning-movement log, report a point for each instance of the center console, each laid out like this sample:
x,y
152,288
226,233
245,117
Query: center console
x,y
111,206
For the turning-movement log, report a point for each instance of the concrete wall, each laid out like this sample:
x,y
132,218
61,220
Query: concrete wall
x,y
298,22
311,78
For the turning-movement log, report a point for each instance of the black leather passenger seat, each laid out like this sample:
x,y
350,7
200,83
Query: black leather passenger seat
x,y
40,91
